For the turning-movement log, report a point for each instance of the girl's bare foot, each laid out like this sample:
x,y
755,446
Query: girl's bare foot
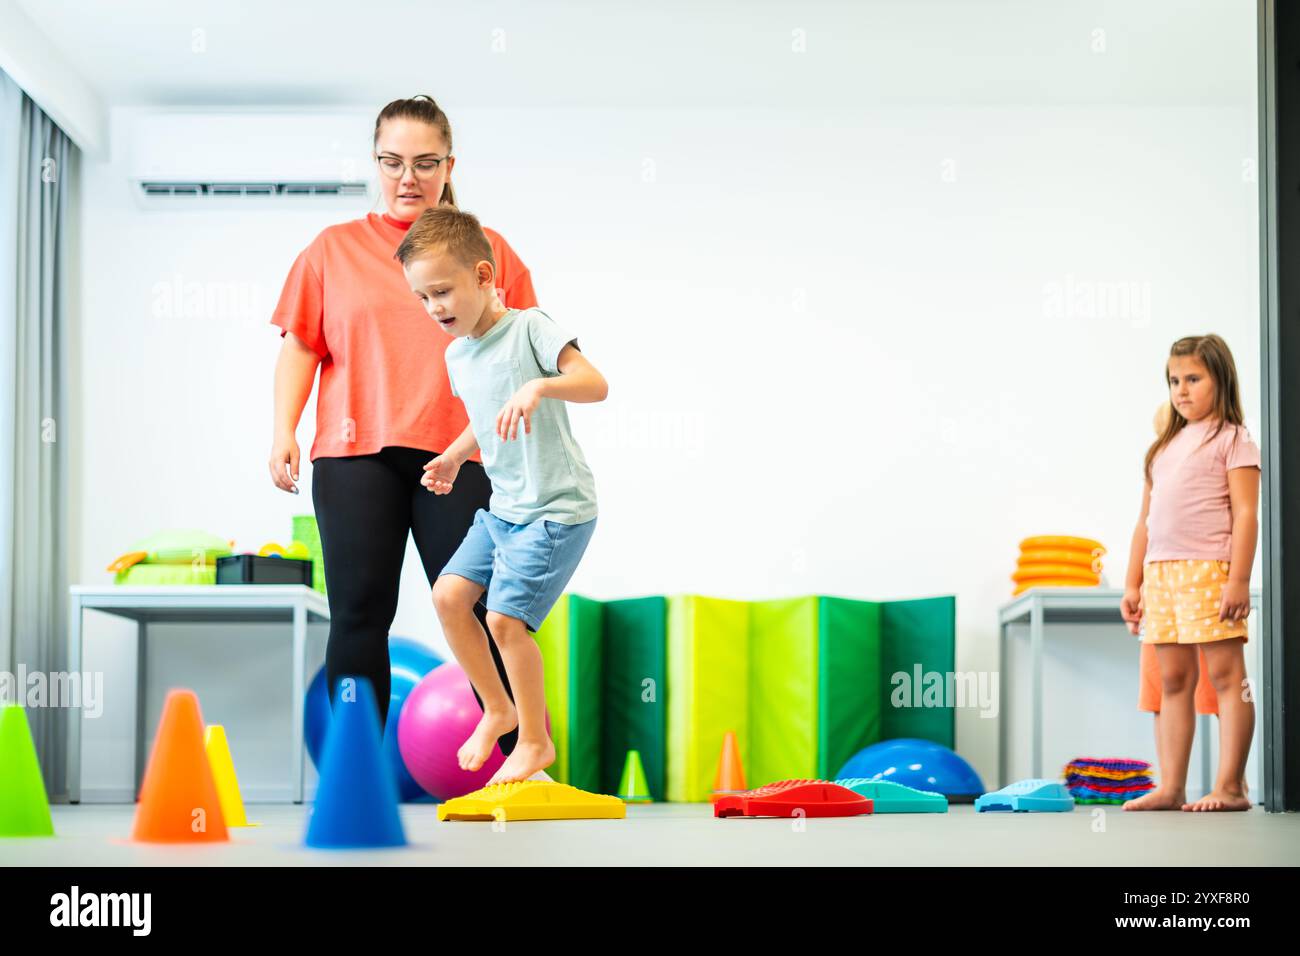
x,y
1219,800
1159,799
474,751
525,761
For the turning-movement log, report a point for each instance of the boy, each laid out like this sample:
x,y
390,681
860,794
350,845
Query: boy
x,y
514,370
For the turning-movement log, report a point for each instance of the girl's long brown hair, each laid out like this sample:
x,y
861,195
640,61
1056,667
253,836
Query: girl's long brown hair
x,y
1215,355
425,110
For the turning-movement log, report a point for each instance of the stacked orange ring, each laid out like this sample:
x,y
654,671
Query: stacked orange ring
x,y
1054,560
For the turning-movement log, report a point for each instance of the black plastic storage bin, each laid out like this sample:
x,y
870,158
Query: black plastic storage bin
x,y
256,569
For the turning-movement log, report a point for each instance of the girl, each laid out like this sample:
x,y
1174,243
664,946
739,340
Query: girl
x,y
1189,568
1207,702
384,407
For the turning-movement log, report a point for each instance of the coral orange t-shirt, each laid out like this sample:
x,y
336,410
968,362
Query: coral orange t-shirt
x,y
383,378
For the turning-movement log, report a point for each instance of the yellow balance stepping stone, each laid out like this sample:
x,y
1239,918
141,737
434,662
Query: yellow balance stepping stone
x,y
532,800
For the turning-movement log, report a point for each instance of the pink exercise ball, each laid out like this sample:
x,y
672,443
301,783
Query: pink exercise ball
x,y
437,717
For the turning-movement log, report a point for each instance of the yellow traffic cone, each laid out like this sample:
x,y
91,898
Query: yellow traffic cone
x,y
223,773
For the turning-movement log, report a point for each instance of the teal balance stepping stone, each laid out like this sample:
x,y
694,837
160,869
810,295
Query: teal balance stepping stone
x,y
890,797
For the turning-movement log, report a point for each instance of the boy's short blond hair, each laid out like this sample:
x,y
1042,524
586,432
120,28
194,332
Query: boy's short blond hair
x,y
447,229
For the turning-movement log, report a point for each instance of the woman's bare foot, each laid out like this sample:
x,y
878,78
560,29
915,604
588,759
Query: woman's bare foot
x,y
524,761
1159,799
1219,800
474,751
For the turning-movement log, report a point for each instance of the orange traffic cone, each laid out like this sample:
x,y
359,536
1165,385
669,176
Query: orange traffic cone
x,y
731,775
178,800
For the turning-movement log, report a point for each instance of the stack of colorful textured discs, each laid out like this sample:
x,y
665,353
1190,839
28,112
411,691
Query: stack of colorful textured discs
x,y
1111,780
1058,561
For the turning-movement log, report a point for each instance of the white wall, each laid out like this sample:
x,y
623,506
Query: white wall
x,y
850,350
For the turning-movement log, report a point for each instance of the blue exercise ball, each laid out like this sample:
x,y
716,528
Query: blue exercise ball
x,y
410,662
920,764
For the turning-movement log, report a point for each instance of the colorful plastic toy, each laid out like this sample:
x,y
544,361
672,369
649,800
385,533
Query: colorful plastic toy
x,y
1113,780
793,798
886,796
1028,796
919,764
185,547
296,549
1058,561
532,800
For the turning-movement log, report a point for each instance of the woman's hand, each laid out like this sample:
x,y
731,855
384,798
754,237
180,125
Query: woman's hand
x,y
521,406
1130,608
440,474
284,451
1234,605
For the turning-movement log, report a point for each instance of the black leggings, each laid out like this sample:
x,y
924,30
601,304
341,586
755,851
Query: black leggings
x,y
365,506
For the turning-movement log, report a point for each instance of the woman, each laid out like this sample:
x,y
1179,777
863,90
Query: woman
x,y
385,406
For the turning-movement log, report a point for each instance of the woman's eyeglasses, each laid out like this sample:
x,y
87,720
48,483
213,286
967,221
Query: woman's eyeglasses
x,y
392,167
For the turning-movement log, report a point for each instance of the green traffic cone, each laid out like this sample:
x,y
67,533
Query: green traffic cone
x,y
24,807
633,787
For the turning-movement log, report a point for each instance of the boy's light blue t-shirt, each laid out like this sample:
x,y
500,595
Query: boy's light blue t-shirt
x,y
537,475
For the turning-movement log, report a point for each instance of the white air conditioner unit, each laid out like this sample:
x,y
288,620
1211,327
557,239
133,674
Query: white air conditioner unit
x,y
216,157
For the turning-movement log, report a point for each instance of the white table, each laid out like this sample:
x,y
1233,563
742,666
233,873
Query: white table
x,y
1041,607
294,604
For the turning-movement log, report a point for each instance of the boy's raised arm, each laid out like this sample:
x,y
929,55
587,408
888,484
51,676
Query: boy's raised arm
x,y
578,381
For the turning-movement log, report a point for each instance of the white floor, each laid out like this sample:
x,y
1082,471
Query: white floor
x,y
677,834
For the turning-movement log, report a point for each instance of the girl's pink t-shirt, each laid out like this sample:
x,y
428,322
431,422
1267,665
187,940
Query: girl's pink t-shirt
x,y
1191,515
383,378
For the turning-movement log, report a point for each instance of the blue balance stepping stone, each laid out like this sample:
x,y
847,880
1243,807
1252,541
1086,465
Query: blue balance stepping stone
x,y
1028,796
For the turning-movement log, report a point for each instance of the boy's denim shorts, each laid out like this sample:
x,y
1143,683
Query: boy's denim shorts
x,y
524,567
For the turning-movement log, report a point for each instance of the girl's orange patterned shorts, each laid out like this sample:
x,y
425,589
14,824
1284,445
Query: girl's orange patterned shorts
x,y
1181,600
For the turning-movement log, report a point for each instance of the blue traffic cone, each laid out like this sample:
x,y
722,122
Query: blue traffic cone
x,y
356,799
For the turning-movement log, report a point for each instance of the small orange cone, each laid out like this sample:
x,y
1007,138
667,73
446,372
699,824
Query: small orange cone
x,y
731,775
178,800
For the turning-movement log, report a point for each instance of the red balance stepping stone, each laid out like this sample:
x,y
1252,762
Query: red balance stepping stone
x,y
792,798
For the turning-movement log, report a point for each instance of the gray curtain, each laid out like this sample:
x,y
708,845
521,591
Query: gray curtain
x,y
36,170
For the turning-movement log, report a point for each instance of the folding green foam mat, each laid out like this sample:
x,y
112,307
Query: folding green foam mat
x,y
570,640
849,698
708,690
783,690
918,641
635,713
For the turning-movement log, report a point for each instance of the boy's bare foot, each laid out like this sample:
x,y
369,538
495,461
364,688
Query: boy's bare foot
x,y
1219,800
1159,799
474,751
525,761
